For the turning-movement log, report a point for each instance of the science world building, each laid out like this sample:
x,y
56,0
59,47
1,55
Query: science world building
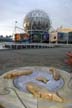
x,y
37,24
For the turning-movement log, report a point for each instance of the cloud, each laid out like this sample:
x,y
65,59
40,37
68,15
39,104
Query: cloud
x,y
58,10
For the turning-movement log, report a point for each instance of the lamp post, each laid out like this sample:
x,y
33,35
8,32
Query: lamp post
x,y
14,31
67,38
15,26
31,30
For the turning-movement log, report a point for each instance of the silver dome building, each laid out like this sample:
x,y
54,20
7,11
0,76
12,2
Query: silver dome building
x,y
36,23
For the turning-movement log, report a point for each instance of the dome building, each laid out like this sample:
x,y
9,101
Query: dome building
x,y
37,24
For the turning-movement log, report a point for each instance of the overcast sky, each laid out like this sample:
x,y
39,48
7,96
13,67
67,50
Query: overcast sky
x,y
59,11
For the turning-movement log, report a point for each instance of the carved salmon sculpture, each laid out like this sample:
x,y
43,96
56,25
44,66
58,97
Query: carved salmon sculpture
x,y
41,92
17,74
55,73
42,79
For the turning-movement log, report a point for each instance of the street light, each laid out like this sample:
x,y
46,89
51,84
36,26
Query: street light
x,y
67,38
15,26
31,30
14,31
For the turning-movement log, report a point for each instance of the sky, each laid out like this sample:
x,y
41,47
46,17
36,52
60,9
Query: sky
x,y
59,12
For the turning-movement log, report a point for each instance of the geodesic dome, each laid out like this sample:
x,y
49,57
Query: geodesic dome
x,y
36,20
